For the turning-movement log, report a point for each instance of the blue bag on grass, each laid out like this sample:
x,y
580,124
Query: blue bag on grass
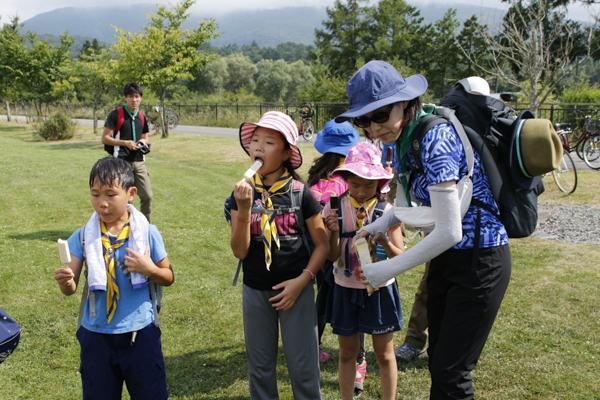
x,y
10,333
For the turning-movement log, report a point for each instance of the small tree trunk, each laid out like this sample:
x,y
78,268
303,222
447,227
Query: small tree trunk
x,y
8,116
163,114
94,114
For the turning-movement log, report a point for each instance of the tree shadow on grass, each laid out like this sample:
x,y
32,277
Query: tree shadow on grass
x,y
207,371
51,235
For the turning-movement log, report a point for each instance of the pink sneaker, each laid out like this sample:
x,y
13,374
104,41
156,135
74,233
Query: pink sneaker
x,y
323,357
361,374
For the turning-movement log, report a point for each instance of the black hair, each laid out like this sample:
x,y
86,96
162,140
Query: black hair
x,y
411,110
131,88
346,174
111,171
322,167
288,163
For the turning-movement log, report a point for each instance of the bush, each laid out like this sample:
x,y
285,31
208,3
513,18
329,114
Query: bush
x,y
58,127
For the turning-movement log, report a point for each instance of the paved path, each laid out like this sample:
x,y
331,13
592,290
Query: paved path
x,y
189,129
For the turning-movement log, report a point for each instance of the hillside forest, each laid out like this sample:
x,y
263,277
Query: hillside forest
x,y
176,64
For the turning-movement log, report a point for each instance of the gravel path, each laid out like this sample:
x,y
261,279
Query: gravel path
x,y
579,224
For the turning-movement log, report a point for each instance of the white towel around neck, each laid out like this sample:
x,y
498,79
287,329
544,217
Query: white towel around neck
x,y
96,265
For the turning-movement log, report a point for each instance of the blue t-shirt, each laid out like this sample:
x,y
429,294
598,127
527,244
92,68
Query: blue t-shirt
x,y
444,159
134,309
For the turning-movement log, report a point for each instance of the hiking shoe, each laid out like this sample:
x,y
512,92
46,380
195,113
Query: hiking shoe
x,y
361,374
323,357
405,353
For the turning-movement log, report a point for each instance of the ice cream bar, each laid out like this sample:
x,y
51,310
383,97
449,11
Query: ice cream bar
x,y
364,255
389,155
252,170
334,202
63,250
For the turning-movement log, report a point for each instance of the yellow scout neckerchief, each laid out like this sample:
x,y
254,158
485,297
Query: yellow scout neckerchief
x,y
362,210
267,221
112,290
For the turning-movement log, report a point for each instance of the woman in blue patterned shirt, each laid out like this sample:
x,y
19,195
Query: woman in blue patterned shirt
x,y
470,258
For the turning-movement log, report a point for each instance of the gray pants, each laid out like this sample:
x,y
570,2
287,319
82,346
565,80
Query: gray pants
x,y
299,338
144,190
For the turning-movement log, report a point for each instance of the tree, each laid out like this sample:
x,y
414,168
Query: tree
x,y
12,53
472,42
341,41
273,80
41,65
241,73
164,53
393,26
540,46
447,52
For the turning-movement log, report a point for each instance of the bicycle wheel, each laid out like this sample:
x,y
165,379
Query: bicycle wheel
x,y
308,130
591,151
176,121
565,175
171,121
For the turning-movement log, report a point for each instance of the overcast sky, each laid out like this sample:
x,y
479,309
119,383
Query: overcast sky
x,y
29,8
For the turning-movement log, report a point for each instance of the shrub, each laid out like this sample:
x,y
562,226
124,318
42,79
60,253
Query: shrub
x,y
58,127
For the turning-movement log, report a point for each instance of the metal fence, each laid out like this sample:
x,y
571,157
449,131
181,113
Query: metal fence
x,y
233,114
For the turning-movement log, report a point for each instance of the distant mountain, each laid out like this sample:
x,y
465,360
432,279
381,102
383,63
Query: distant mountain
x,y
268,27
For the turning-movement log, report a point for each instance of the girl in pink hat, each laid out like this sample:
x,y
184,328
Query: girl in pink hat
x,y
350,310
269,215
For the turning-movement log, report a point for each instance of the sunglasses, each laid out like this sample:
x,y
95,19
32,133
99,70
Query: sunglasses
x,y
379,118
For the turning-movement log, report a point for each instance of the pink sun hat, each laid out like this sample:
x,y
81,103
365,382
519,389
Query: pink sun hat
x,y
364,160
279,122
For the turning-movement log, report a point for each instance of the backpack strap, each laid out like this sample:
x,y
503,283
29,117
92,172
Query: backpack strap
x,y
84,295
121,112
424,126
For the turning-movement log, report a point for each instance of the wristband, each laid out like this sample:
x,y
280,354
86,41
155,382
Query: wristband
x,y
310,272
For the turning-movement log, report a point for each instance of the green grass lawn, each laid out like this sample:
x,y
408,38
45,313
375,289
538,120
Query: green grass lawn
x,y
545,343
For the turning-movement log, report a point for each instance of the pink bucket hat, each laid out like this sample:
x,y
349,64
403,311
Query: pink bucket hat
x,y
364,160
279,122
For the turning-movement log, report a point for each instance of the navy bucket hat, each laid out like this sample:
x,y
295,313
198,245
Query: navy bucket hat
x,y
336,138
378,84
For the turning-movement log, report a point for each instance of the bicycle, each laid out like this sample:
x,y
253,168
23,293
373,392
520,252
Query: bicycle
x,y
154,118
577,144
565,176
307,127
591,145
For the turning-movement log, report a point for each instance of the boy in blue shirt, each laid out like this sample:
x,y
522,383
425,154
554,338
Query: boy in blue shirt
x,y
118,336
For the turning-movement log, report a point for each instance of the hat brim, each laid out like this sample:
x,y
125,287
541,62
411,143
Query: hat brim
x,y
247,130
323,147
382,176
520,179
416,85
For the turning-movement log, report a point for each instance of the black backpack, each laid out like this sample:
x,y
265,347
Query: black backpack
x,y
296,208
488,124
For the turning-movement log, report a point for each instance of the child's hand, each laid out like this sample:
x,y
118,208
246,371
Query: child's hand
x,y
131,145
243,194
64,276
331,222
135,262
287,298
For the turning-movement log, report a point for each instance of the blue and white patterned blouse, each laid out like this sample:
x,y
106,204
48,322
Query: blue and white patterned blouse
x,y
444,159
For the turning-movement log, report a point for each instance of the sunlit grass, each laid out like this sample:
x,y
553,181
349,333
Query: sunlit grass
x,y
545,343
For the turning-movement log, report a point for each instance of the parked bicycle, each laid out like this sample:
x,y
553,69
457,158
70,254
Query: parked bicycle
x,y
153,116
591,145
565,176
307,127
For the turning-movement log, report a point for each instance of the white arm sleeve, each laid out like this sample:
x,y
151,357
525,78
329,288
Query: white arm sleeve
x,y
381,224
447,232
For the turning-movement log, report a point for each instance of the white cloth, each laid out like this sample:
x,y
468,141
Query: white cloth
x,y
96,265
445,207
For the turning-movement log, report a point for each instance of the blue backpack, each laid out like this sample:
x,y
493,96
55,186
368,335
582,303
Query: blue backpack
x,y
10,334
